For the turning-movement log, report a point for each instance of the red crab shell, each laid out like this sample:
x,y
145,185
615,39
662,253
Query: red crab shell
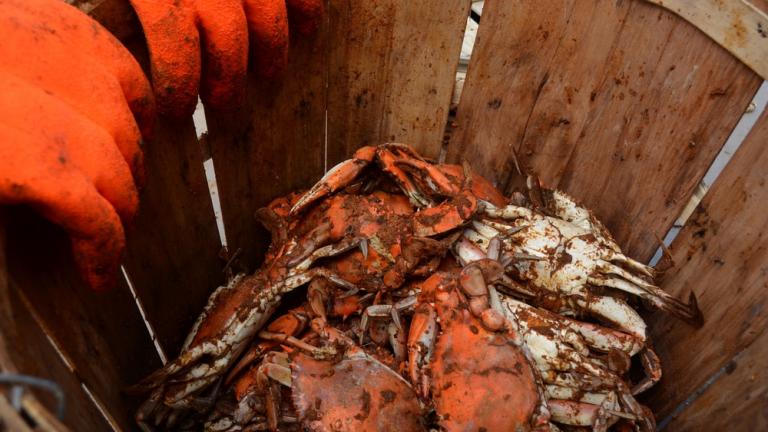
x,y
355,394
480,380
481,188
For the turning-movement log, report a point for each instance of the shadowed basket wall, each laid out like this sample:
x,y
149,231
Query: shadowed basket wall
x,y
619,103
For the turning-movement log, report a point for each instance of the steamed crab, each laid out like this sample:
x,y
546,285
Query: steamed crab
x,y
563,347
464,359
349,391
580,363
580,388
356,239
561,260
390,242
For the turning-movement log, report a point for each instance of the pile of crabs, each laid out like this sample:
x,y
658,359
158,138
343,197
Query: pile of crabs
x,y
428,301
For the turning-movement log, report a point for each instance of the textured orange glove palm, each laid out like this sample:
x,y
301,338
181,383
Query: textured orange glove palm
x,y
69,143
174,30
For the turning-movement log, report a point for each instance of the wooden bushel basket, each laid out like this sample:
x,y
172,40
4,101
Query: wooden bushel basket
x,y
622,104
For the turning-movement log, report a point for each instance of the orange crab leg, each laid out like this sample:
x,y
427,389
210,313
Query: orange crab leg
x,y
446,216
336,178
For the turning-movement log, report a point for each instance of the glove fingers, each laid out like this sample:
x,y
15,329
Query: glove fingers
x,y
64,196
174,49
268,25
225,41
304,15
84,144
83,33
44,59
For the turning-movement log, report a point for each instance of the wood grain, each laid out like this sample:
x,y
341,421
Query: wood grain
x,y
738,26
722,256
25,349
738,401
622,104
173,248
762,5
273,145
392,67
11,418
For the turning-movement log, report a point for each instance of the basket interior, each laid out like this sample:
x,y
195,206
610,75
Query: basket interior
x,y
622,104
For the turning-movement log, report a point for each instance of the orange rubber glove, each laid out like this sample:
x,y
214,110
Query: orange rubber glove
x,y
174,30
69,143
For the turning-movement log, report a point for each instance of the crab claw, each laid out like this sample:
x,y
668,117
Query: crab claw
x,y
623,280
336,178
446,216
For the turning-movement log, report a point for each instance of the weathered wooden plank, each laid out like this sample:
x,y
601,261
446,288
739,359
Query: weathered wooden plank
x,y
762,5
11,418
622,104
508,68
722,256
102,333
737,401
173,248
738,26
273,145
392,67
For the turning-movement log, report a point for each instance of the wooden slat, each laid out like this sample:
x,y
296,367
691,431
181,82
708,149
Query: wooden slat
x,y
392,68
11,418
722,256
173,248
738,26
738,401
102,333
25,349
273,145
622,104
762,5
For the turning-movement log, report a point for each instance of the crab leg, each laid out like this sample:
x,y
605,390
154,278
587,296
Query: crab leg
x,y
225,340
550,353
577,380
222,340
468,251
445,216
510,212
617,312
529,316
278,331
421,342
661,299
652,367
274,369
336,178
386,310
392,154
575,394
398,340
644,417
573,413
605,339
620,258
